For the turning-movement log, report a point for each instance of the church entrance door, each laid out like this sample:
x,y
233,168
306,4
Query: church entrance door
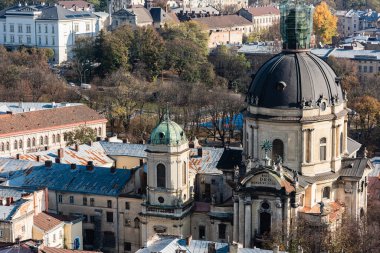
x,y
265,222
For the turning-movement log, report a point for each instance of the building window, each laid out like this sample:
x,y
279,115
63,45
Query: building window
x,y
46,140
222,231
46,29
20,144
326,192
2,147
12,39
161,175
202,232
39,28
19,28
8,146
60,198
322,149
46,40
5,38
41,140
365,69
28,29
87,27
71,199
370,69
277,149
137,222
100,131
1,233
28,143
127,206
15,145
58,138
39,40
109,203
84,201
76,27
28,40
20,41
341,143
184,177
52,29
92,201
54,239
109,216
4,27
34,142
53,41
53,138
127,246
12,28
92,219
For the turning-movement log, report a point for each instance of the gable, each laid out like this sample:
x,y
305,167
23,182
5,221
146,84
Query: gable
x,y
264,179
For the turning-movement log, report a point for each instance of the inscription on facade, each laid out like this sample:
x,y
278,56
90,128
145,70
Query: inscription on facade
x,y
263,180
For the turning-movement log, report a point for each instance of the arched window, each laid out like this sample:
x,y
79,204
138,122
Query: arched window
x,y
34,142
326,192
46,140
2,146
8,146
100,131
277,149
41,140
95,131
341,143
322,149
137,222
184,177
15,145
20,144
161,175
53,138
58,138
28,143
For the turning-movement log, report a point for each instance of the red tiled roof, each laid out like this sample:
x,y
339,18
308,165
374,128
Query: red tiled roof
x,y
227,21
70,4
46,221
45,119
261,11
56,250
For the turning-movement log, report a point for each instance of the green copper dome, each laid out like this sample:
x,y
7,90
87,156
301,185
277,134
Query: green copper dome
x,y
168,133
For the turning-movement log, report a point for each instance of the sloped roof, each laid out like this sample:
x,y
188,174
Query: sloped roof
x,y
227,21
143,14
7,212
352,145
163,245
60,13
85,153
58,250
38,120
353,167
9,167
60,177
46,222
265,10
78,3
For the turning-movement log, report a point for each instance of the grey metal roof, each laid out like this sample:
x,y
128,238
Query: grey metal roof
x,y
9,167
376,164
288,80
163,245
7,212
353,167
19,107
200,246
352,145
124,149
348,54
60,177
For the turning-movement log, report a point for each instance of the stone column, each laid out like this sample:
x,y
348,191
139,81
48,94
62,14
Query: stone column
x,y
248,223
144,233
345,151
236,219
241,220
304,143
311,146
333,146
255,152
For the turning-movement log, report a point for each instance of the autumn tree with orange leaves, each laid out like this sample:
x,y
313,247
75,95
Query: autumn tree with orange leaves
x,y
325,23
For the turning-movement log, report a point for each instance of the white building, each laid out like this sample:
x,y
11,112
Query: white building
x,y
348,22
261,17
46,26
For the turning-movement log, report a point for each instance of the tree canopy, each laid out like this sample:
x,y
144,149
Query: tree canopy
x,y
325,23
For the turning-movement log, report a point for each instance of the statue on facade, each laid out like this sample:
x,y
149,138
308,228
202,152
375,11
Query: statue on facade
x,y
321,207
266,146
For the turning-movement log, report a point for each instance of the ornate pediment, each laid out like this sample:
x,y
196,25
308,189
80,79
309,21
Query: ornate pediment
x,y
263,179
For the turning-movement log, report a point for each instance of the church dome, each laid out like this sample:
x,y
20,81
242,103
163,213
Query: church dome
x,y
167,133
295,80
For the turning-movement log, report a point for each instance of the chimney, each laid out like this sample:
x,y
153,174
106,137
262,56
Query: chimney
x,y
48,163
76,148
9,112
18,156
211,247
113,169
98,138
125,141
9,201
73,166
57,160
90,143
188,240
276,249
61,153
200,152
234,248
38,158
141,162
90,166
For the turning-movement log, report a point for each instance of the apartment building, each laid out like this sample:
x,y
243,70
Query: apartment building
x,y
261,17
45,26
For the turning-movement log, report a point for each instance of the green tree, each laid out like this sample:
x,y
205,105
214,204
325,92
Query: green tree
x,y
80,135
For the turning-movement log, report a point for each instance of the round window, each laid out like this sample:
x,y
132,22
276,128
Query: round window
x,y
265,205
161,200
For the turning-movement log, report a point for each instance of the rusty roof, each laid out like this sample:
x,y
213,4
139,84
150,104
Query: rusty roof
x,y
46,222
227,21
265,10
57,250
11,124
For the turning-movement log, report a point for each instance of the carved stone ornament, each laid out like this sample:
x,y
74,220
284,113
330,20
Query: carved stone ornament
x,y
348,187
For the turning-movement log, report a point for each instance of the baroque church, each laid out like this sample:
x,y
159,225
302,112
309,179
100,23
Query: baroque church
x,y
297,160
